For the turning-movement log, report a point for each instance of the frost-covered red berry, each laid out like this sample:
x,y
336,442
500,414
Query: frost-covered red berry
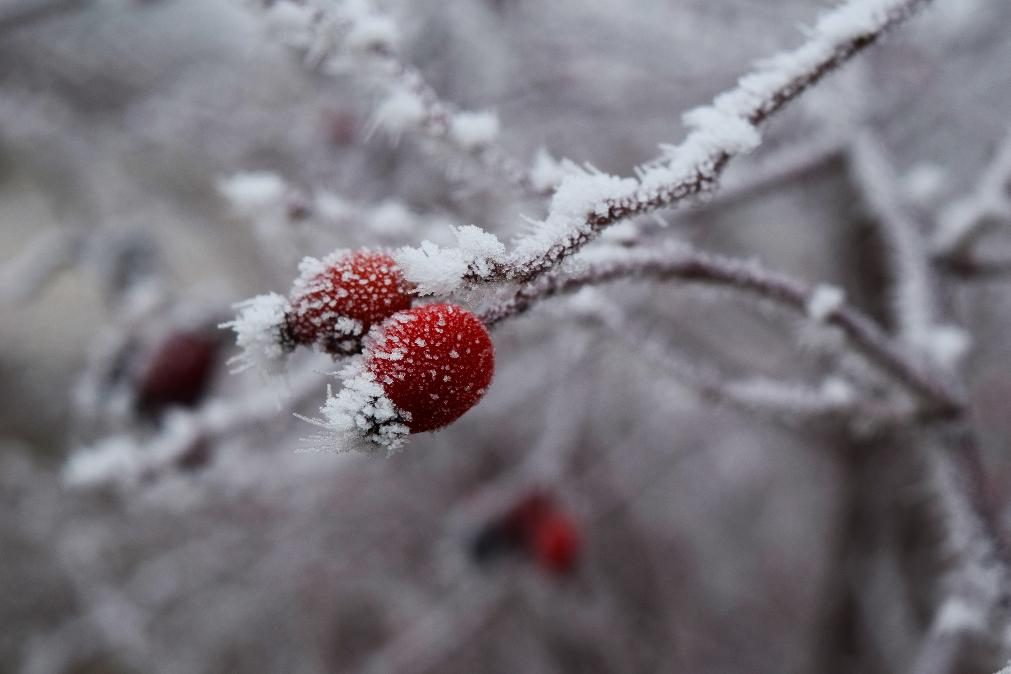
x,y
421,369
177,372
336,300
434,363
555,543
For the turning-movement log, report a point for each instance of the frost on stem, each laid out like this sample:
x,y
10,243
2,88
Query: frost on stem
x,y
439,271
587,203
259,332
251,193
968,218
361,417
824,300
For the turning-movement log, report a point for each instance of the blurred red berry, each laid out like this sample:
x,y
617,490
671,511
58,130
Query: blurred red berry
x,y
522,519
177,373
335,305
556,543
434,363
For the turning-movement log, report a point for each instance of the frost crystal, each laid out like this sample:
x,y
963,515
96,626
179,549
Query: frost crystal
x,y
258,332
439,271
252,192
401,111
824,300
946,345
370,30
391,218
472,130
546,172
361,415
113,460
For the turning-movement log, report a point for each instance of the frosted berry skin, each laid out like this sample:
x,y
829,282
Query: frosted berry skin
x,y
434,363
336,306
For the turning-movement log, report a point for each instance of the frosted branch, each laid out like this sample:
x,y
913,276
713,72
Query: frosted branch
x,y
978,595
126,461
968,218
913,304
686,265
359,32
38,263
586,204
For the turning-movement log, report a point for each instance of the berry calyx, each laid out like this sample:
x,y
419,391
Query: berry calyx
x,y
433,362
337,300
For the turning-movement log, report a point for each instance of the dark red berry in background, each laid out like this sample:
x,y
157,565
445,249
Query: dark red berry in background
x,y
364,286
520,522
177,372
434,362
556,543
511,532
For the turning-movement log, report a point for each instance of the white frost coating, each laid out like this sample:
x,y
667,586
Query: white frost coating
x,y
361,416
252,192
432,269
576,197
838,391
332,207
439,271
291,23
958,616
372,31
471,130
724,130
988,202
854,19
391,218
824,301
479,247
402,110
113,461
546,172
945,345
924,183
258,333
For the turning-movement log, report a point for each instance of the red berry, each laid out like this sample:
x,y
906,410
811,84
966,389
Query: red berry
x,y
434,362
520,521
556,543
338,299
177,373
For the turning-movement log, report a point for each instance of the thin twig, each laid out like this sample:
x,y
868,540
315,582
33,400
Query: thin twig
x,y
685,264
913,304
585,205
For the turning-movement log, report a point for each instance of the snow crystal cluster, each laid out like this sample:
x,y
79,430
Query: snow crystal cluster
x,y
579,195
251,193
402,110
258,333
361,415
824,301
472,130
435,270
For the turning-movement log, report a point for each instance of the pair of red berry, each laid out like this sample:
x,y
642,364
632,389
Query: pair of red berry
x,y
537,527
433,361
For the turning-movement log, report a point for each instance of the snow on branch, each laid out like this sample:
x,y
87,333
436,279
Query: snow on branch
x,y
976,598
913,302
187,437
687,265
588,202
332,37
968,218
